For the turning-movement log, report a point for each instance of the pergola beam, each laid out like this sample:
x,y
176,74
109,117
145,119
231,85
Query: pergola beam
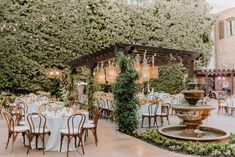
x,y
162,56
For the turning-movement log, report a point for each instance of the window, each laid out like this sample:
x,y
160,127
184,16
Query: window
x,y
230,27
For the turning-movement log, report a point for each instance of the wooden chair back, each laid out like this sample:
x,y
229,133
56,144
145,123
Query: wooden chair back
x,y
23,105
97,116
175,101
9,120
165,109
19,113
73,124
152,109
109,104
36,121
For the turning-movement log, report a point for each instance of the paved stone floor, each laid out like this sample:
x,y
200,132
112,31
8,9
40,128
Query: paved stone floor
x,y
113,143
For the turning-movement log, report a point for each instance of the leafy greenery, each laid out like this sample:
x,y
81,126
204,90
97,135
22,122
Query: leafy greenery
x,y
206,149
40,34
172,78
124,97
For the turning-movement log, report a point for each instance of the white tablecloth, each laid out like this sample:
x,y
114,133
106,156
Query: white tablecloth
x,y
55,124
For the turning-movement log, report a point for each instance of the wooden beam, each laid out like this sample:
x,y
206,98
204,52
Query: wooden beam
x,y
163,55
207,87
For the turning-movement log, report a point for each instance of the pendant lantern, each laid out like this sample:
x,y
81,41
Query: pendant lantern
x,y
145,70
153,70
137,67
111,73
101,75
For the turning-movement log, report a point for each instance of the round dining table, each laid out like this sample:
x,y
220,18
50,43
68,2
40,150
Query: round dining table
x,y
55,123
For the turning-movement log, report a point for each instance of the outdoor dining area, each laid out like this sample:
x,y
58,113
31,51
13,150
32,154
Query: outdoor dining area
x,y
48,124
53,124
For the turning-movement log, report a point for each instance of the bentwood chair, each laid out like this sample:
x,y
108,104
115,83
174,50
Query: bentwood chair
x,y
74,130
92,126
22,106
20,115
37,128
164,113
107,109
13,130
174,101
152,111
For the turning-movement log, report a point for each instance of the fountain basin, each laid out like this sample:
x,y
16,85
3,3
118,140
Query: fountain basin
x,y
192,116
192,96
210,134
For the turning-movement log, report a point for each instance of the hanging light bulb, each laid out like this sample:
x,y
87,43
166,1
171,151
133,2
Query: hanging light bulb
x,y
95,73
137,67
145,69
111,73
101,75
153,70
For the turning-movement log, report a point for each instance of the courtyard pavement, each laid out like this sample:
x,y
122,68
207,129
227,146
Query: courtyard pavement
x,y
113,143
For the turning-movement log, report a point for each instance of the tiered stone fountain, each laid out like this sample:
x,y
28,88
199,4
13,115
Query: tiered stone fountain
x,y
192,115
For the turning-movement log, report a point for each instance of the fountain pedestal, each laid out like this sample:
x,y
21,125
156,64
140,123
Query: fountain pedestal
x,y
192,115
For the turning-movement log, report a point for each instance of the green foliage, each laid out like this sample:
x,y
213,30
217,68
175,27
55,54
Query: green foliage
x,y
206,149
39,34
172,79
124,97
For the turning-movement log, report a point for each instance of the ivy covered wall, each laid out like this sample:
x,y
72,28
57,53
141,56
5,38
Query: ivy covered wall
x,y
39,34
172,79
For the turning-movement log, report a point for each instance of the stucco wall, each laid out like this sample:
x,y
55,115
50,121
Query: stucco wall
x,y
224,48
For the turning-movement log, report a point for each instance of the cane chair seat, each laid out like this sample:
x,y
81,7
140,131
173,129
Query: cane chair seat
x,y
40,131
22,123
88,126
90,121
72,131
20,129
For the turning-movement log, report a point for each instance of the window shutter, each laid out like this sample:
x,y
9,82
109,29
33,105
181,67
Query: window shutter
x,y
221,29
233,25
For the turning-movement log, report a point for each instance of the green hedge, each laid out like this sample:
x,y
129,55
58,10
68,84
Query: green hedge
x,y
206,149
39,34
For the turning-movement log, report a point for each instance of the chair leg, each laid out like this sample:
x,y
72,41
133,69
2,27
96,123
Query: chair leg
x,y
149,122
9,136
75,142
142,124
80,139
68,146
43,143
23,134
168,120
36,141
13,141
61,141
86,134
161,121
95,136
30,140
155,121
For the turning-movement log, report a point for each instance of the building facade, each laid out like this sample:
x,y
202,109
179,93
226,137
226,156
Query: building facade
x,y
224,40
222,63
